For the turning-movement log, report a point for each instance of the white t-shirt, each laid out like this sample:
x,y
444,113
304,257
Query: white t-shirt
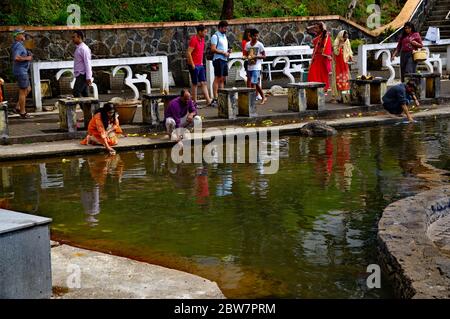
x,y
255,50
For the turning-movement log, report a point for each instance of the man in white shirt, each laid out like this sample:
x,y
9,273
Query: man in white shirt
x,y
255,53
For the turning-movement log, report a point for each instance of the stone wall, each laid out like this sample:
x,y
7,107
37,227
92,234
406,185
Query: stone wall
x,y
171,39
414,242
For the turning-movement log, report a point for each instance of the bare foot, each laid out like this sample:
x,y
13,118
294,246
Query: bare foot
x,y
264,100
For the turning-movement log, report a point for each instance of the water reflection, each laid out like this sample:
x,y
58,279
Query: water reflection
x,y
93,176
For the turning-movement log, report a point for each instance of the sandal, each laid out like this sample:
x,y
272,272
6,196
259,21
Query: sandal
x,y
25,116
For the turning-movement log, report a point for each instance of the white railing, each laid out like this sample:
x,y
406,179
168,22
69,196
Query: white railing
x,y
119,63
434,62
281,55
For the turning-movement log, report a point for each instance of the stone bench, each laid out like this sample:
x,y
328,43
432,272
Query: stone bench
x,y
237,101
67,112
4,130
306,96
428,84
150,112
367,92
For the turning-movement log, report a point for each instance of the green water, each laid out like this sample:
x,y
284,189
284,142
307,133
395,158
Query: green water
x,y
308,231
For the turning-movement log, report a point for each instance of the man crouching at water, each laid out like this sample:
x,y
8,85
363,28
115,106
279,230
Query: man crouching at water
x,y
181,113
398,97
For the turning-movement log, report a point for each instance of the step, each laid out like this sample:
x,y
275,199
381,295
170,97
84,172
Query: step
x,y
441,27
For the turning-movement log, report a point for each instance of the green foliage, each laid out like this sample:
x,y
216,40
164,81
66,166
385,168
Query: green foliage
x,y
355,43
300,11
54,12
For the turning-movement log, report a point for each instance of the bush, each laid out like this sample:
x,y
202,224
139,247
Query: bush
x,y
300,11
355,43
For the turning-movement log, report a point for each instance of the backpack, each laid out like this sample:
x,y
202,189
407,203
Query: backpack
x,y
209,55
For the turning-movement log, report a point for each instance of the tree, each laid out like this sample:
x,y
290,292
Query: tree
x,y
227,10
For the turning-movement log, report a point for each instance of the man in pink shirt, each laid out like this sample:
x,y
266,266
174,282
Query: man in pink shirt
x,y
81,65
194,57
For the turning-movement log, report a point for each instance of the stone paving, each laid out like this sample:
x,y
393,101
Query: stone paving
x,y
104,276
45,125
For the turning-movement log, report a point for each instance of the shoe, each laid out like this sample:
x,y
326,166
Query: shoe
x,y
25,116
214,103
258,97
198,106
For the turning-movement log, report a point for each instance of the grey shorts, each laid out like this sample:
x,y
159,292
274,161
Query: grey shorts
x,y
23,81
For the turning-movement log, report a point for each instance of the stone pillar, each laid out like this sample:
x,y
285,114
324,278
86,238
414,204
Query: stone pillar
x,y
246,103
24,256
296,99
228,104
4,130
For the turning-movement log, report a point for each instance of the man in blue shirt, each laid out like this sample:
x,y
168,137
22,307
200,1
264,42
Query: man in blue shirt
x,y
219,46
398,97
21,63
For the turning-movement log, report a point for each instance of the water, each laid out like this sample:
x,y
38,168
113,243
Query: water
x,y
308,231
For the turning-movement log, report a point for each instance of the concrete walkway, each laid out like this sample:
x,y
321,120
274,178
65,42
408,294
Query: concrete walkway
x,y
84,274
154,140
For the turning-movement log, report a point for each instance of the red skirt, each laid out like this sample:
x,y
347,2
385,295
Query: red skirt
x,y
342,73
319,70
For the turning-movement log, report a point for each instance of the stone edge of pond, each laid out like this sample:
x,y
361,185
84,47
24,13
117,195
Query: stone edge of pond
x,y
411,261
105,276
73,148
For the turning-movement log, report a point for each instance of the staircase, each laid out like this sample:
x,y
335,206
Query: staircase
x,y
436,18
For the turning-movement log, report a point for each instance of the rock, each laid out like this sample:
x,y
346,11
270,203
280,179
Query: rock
x,y
317,128
277,90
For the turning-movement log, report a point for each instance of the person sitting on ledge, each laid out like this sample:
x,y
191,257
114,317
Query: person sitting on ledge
x,y
181,113
103,129
398,97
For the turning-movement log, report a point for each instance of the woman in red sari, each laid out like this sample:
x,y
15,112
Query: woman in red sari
x,y
342,54
104,128
321,58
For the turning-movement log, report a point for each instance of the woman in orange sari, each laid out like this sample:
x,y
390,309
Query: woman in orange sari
x,y
342,54
321,58
103,129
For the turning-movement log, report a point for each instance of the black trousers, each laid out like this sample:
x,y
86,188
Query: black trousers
x,y
80,88
407,64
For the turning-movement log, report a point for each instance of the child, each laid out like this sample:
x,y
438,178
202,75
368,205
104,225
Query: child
x,y
255,53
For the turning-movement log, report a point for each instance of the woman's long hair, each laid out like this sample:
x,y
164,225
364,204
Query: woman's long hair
x,y
246,35
408,24
107,107
324,31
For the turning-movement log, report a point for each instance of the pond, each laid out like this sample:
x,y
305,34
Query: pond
x,y
308,231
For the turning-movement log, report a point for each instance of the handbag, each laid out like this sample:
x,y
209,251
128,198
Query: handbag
x,y
420,55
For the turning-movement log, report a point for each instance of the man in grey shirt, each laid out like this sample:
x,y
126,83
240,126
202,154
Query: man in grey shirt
x,y
21,58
